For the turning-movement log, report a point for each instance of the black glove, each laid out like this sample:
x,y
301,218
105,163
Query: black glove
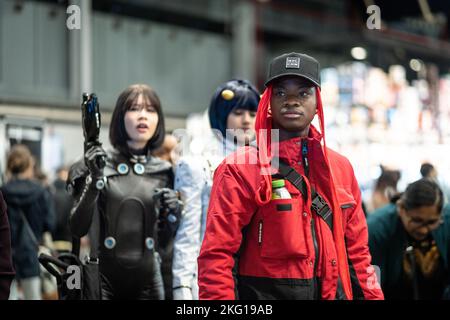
x,y
94,158
169,202
170,208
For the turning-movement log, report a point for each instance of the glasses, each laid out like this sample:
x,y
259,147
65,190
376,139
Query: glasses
x,y
415,223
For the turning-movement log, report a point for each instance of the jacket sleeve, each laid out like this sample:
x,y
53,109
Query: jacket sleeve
x,y
85,196
50,216
231,208
189,181
6,266
364,279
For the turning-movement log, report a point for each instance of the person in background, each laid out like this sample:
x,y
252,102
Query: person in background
x,y
30,214
165,151
7,272
233,106
63,202
427,170
409,241
385,188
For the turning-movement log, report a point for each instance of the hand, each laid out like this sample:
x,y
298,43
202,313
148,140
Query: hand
x,y
93,158
169,201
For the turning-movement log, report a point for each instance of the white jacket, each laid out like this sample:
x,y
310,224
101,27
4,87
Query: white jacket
x,y
193,179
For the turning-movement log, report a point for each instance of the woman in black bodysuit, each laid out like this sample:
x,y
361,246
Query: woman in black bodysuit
x,y
137,209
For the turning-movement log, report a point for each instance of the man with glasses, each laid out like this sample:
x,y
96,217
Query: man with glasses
x,y
409,241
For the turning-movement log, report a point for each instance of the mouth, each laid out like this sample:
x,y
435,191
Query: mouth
x,y
292,113
142,127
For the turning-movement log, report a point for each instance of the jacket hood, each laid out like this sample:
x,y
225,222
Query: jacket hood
x,y
22,192
263,128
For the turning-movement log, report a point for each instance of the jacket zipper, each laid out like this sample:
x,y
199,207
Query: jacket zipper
x,y
316,246
316,251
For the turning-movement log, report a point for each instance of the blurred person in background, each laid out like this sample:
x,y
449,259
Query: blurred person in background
x,y
63,203
165,151
6,264
409,240
137,208
30,214
233,106
427,170
385,188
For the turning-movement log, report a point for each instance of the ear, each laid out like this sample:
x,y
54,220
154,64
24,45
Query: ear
x,y
400,207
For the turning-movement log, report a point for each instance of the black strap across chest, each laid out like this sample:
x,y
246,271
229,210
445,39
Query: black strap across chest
x,y
318,204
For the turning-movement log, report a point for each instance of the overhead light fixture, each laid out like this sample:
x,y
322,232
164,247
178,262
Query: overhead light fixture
x,y
416,64
358,53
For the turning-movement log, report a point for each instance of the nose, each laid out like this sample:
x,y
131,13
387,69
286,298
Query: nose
x,y
143,113
246,118
292,101
423,231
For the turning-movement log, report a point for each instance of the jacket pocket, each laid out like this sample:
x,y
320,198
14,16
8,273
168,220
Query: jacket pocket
x,y
347,203
280,229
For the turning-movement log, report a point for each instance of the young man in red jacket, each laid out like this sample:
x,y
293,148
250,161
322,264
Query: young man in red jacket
x,y
312,245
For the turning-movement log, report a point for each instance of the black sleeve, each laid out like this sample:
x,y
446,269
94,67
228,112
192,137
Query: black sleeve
x,y
85,197
50,215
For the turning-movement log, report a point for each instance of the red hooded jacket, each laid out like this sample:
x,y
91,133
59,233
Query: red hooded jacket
x,y
274,238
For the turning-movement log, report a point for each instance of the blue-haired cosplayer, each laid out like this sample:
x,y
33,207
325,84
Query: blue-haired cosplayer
x,y
233,106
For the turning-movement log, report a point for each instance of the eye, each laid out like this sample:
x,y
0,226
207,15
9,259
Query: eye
x,y
238,112
252,114
305,93
280,93
151,109
134,108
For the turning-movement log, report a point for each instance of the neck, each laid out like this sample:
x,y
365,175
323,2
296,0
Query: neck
x,y
28,174
137,148
286,135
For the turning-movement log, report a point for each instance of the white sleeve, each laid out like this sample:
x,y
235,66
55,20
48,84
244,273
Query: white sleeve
x,y
189,181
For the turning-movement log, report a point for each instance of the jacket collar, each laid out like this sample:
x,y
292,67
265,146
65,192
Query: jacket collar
x,y
290,149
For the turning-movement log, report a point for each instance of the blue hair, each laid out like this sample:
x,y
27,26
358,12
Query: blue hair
x,y
246,96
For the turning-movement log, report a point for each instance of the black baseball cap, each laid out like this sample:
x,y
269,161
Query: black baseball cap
x,y
294,64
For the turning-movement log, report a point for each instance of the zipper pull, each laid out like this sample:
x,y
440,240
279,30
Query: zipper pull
x,y
305,156
260,226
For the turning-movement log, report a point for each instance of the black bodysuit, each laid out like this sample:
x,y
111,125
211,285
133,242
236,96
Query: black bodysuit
x,y
129,223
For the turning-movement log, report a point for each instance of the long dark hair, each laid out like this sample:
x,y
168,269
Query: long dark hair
x,y
423,192
117,133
